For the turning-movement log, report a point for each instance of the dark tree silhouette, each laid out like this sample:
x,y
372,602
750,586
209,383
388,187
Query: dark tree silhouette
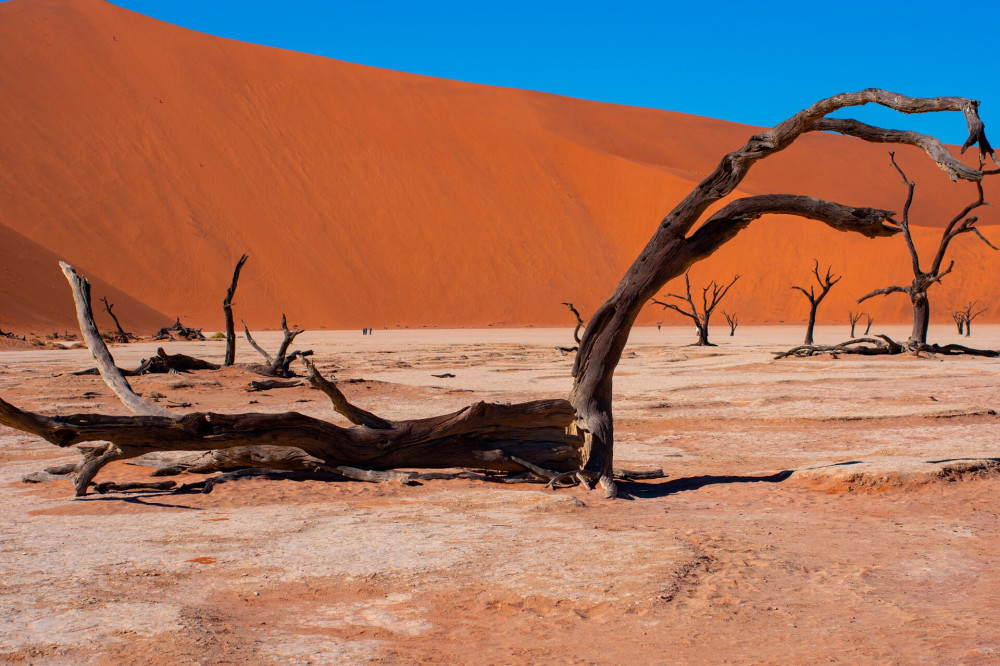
x,y
708,305
120,335
923,280
868,326
968,313
227,309
733,322
576,331
558,440
854,318
825,283
959,318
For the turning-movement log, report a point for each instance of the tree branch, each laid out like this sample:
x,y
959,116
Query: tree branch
x,y
883,291
105,362
341,404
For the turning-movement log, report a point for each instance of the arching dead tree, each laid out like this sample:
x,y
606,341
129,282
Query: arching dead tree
x,y
854,318
227,309
567,439
825,283
962,223
708,305
968,313
576,331
120,335
733,322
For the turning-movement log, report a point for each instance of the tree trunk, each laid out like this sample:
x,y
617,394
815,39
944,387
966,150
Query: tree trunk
x,y
921,317
812,322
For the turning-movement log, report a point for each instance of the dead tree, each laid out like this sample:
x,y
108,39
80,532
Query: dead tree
x,y
708,305
120,336
959,318
923,280
227,309
733,322
181,330
559,439
854,318
969,313
868,326
277,366
825,282
576,331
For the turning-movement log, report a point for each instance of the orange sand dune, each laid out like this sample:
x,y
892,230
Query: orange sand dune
x,y
34,296
156,155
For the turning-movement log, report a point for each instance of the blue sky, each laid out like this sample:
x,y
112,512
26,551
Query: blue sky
x,y
751,62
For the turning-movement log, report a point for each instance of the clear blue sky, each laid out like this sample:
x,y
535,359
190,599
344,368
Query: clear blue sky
x,y
751,62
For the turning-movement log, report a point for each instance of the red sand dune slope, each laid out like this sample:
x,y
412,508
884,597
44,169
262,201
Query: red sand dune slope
x,y
153,156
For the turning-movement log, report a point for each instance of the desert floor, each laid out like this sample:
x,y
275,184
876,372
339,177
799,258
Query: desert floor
x,y
813,510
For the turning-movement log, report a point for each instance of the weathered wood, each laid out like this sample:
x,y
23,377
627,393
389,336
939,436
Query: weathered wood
x,y
341,404
227,309
105,362
277,366
825,283
268,384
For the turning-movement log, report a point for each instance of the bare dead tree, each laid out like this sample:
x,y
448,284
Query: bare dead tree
x,y
868,326
576,331
968,313
120,335
959,318
922,280
564,440
227,308
278,366
854,318
733,322
825,283
708,305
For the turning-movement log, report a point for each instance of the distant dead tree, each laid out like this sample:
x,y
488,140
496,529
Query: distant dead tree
x,y
120,335
922,280
825,284
733,322
967,314
557,441
708,305
576,331
959,318
868,326
854,318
